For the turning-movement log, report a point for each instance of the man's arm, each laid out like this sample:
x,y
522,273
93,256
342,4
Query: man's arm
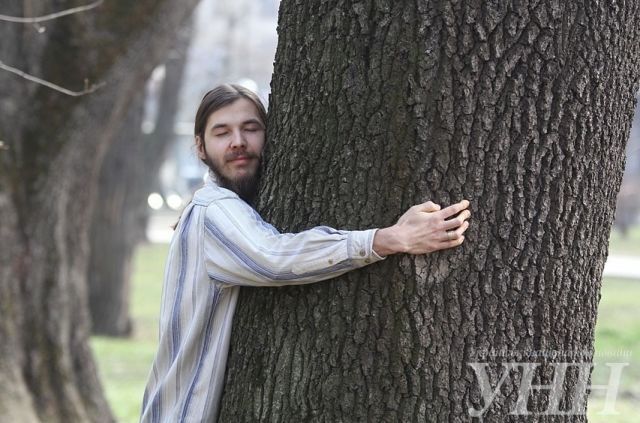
x,y
241,249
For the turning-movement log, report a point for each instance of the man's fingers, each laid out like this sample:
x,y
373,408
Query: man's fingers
x,y
456,221
453,235
454,209
462,229
429,206
452,243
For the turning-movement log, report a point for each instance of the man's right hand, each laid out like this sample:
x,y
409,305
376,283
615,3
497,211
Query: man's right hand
x,y
424,228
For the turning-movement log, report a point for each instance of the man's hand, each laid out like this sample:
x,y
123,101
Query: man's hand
x,y
424,228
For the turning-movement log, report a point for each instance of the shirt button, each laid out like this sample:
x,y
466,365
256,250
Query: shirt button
x,y
363,253
330,261
367,261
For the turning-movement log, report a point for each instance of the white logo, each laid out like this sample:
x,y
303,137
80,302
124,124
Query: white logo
x,y
555,389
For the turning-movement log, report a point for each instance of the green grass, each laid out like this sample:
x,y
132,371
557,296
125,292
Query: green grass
x,y
124,364
618,341
627,245
628,411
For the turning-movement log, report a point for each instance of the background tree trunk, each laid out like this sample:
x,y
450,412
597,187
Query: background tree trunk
x,y
48,179
523,108
130,168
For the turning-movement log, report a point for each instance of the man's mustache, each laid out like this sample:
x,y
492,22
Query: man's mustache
x,y
236,155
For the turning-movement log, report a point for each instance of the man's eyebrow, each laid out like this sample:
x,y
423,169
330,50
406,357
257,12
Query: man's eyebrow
x,y
246,122
252,120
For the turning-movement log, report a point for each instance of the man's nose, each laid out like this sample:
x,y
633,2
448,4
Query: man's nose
x,y
237,140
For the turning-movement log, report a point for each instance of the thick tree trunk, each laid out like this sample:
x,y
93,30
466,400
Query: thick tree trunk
x,y
129,169
48,179
522,108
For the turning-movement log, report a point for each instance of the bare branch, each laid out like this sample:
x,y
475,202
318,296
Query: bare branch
x,y
51,16
88,88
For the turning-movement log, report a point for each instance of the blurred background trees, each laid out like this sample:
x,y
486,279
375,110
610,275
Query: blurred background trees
x,y
54,145
129,169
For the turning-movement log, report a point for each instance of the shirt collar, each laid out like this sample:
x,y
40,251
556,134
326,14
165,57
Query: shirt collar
x,y
212,191
210,179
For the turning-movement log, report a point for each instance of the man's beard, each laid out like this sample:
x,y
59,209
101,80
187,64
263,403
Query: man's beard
x,y
246,187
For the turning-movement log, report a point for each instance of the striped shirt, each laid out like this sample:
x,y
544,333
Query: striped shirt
x,y
220,244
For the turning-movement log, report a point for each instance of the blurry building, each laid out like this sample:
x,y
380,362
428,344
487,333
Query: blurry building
x,y
628,205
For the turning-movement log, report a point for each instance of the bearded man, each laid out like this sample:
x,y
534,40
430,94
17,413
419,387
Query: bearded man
x,y
221,243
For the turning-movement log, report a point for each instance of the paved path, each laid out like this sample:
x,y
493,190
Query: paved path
x,y
159,229
622,267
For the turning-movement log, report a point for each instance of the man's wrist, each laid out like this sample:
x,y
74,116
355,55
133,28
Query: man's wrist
x,y
387,242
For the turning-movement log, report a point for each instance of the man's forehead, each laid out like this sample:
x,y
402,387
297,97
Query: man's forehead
x,y
239,112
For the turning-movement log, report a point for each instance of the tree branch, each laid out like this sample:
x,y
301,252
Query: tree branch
x,y
88,89
51,16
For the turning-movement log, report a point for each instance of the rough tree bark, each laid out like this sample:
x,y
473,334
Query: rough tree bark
x,y
130,167
522,107
48,178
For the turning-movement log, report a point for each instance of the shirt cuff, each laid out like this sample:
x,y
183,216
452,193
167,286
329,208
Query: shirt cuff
x,y
360,246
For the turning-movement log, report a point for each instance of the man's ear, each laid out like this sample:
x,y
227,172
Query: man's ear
x,y
200,147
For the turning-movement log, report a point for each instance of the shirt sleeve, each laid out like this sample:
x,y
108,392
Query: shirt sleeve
x,y
242,249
